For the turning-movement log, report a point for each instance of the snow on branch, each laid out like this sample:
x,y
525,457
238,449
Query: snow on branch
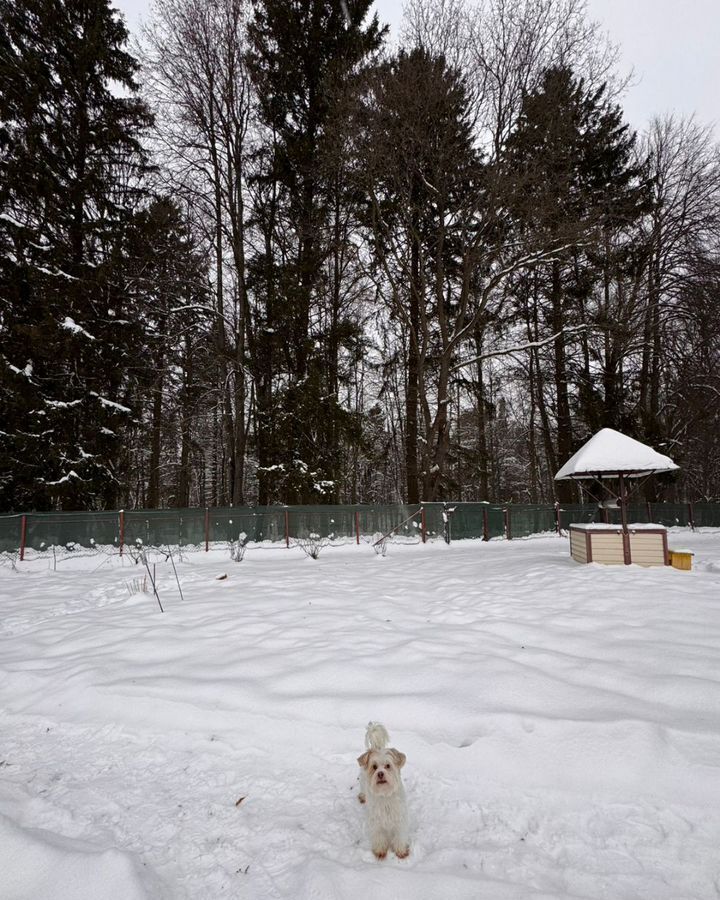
x,y
66,478
6,217
531,345
27,371
110,404
61,404
53,273
71,325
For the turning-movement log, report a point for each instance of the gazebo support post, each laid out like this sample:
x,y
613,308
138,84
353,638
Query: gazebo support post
x,y
623,518
623,501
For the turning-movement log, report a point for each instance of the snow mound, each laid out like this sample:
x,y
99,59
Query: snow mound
x,y
43,865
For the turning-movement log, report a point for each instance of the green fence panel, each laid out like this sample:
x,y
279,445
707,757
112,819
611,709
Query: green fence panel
x,y
637,513
467,520
324,522
10,528
496,521
641,512
389,519
706,515
253,524
154,527
434,522
192,528
581,513
69,529
669,514
527,519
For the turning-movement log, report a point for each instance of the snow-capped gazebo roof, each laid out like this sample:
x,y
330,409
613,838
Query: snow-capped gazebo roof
x,y
609,454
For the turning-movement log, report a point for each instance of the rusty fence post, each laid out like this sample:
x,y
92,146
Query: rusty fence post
x,y
508,523
357,526
486,524
207,529
691,516
23,536
423,525
558,526
121,516
287,529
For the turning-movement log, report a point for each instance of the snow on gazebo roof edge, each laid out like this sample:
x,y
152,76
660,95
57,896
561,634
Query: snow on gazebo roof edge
x,y
609,453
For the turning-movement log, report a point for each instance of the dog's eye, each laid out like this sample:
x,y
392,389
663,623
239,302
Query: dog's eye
x,y
387,766
374,766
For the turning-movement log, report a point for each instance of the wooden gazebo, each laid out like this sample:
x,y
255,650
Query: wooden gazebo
x,y
612,464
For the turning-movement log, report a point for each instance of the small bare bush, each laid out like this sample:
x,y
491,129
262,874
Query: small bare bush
x,y
238,547
312,544
137,585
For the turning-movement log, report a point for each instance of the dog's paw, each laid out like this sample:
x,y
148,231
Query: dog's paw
x,y
380,854
403,853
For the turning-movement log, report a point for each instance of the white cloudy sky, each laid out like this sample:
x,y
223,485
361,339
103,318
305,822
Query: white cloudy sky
x,y
672,46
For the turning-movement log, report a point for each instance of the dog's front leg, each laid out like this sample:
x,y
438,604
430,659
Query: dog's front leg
x,y
399,843
380,846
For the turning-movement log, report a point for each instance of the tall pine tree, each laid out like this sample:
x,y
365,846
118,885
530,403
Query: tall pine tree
x,y
302,56
71,166
422,176
573,177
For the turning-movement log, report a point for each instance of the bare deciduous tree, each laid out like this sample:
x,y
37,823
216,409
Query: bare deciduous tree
x,y
196,79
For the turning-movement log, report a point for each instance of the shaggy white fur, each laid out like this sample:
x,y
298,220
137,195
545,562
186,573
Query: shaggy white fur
x,y
381,788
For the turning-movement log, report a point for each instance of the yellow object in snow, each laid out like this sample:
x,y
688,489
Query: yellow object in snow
x,y
681,559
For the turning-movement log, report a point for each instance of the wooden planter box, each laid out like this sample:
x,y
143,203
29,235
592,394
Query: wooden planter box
x,y
681,559
644,545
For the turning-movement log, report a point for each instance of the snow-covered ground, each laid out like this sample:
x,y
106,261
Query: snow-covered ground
x,y
561,723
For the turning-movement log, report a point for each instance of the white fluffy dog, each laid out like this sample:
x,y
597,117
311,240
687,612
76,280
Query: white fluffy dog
x,y
382,789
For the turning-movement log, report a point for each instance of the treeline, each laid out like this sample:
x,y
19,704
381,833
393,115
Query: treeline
x,y
269,256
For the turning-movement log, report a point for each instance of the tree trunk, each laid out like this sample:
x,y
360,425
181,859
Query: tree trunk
x,y
482,447
413,374
184,475
564,424
153,491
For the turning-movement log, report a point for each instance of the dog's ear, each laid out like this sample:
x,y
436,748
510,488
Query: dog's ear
x,y
397,757
364,759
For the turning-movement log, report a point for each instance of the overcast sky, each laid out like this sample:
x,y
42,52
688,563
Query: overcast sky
x,y
672,45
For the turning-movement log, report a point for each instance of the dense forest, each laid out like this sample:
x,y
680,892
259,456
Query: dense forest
x,y
264,254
